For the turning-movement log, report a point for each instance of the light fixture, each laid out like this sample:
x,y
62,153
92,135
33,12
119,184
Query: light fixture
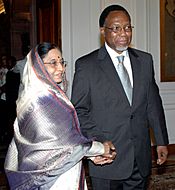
x,y
2,8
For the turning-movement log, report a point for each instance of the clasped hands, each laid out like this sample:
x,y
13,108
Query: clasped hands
x,y
108,156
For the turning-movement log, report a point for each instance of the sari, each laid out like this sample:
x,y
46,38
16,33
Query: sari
x,y
47,140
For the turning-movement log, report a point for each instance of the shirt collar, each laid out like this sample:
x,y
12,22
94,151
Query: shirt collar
x,y
113,53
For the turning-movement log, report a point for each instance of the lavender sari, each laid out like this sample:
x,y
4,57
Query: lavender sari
x,y
47,140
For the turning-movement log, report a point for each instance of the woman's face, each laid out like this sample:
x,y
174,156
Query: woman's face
x,y
54,64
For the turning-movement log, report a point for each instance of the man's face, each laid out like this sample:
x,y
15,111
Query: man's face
x,y
119,38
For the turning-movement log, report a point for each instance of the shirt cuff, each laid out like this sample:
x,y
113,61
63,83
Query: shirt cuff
x,y
96,149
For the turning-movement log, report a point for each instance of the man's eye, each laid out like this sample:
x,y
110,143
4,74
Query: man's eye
x,y
117,28
127,27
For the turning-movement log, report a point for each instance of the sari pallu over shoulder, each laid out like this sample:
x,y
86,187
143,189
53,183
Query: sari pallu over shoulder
x,y
47,141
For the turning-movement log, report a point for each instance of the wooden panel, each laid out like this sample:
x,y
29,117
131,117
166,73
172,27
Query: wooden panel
x,y
49,21
167,40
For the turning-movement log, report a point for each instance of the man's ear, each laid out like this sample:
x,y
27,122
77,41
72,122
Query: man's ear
x,y
102,36
102,31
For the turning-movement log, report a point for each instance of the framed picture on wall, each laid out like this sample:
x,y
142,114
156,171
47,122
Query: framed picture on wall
x,y
167,40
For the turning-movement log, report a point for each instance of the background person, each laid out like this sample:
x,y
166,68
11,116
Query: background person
x,y
106,109
3,103
12,87
3,72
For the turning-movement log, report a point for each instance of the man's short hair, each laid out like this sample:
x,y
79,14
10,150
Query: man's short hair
x,y
109,9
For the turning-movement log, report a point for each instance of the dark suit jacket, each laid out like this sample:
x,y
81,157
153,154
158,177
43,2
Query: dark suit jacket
x,y
12,86
105,113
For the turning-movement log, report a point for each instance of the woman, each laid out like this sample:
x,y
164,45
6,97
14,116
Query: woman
x,y
48,147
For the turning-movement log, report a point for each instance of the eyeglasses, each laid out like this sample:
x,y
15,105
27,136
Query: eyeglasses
x,y
118,29
54,63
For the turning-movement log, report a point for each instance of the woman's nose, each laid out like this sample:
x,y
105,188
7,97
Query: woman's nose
x,y
59,66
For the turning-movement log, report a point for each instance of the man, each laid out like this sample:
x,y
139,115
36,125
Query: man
x,y
108,112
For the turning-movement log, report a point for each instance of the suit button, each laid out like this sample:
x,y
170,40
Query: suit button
x,y
131,117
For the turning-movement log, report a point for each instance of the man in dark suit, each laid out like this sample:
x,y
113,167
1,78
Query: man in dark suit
x,y
106,113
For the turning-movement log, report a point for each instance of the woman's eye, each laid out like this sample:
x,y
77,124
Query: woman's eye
x,y
53,62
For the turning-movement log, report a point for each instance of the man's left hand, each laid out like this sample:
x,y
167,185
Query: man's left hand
x,y
162,152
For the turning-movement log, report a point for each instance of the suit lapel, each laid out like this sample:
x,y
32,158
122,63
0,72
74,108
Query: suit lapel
x,y
136,68
106,64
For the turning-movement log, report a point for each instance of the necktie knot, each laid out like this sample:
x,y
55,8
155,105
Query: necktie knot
x,y
120,58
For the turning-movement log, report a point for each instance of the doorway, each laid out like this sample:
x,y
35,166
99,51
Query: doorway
x,y
23,25
28,22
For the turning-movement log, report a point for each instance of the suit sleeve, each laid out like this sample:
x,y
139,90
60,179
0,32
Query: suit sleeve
x,y
81,99
155,111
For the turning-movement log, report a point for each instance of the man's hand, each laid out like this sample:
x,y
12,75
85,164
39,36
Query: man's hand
x,y
162,153
109,150
108,156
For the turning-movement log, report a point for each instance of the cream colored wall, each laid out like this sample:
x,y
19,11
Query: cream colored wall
x,y
80,35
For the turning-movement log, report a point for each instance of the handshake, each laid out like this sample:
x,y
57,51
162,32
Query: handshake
x,y
108,156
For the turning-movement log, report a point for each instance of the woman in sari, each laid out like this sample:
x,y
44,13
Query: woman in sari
x,y
47,149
